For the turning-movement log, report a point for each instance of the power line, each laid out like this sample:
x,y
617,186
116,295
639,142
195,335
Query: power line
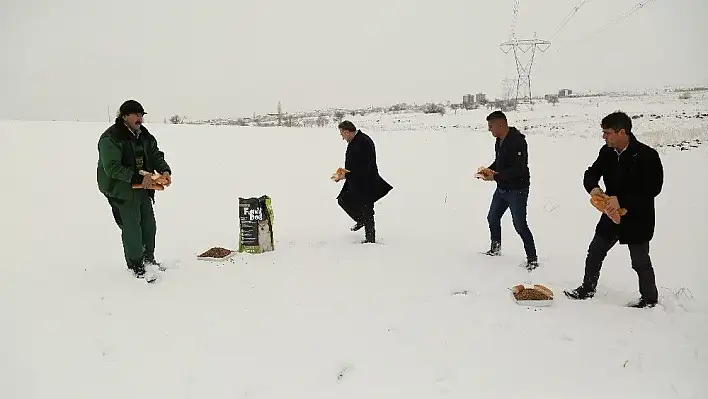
x,y
626,15
568,17
618,19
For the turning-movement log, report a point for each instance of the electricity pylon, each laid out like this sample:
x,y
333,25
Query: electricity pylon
x,y
523,69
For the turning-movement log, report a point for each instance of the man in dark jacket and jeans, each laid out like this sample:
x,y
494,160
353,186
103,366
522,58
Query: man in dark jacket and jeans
x,y
633,175
511,173
363,186
125,149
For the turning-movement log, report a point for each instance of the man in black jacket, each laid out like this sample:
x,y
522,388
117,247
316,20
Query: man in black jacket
x,y
511,172
633,176
363,185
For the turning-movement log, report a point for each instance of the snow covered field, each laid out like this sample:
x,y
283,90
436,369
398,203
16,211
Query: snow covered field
x,y
422,315
663,117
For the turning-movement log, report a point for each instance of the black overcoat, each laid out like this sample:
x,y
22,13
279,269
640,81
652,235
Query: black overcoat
x,y
636,177
363,184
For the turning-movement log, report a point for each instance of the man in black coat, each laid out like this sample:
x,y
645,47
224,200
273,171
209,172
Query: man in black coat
x,y
363,186
510,171
633,175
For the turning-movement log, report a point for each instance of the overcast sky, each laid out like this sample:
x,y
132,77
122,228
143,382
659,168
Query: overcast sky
x,y
71,59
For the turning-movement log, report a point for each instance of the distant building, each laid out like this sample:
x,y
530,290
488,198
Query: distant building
x,y
472,99
564,92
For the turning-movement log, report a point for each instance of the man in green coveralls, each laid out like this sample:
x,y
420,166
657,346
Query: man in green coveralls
x,y
124,150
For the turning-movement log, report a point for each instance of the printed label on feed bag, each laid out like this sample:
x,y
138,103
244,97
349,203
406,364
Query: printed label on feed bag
x,y
251,213
256,219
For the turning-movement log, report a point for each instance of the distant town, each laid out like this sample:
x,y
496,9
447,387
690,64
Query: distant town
x,y
322,118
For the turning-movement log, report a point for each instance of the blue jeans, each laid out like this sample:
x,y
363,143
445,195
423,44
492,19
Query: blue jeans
x,y
514,200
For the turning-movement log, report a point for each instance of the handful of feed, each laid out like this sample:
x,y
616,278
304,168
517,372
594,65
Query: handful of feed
x,y
483,172
600,201
158,180
339,174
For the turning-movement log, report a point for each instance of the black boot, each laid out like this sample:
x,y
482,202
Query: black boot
x,y
369,230
582,292
643,303
357,226
531,263
137,267
150,260
494,249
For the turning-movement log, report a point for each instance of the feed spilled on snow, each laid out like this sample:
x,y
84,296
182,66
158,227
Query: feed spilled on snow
x,y
536,293
216,252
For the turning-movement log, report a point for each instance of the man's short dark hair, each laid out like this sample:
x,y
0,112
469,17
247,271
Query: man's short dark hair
x,y
617,121
496,115
348,126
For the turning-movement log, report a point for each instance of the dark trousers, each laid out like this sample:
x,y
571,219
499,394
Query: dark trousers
x,y
136,220
360,213
515,201
641,263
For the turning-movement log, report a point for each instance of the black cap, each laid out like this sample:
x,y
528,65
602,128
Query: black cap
x,y
131,107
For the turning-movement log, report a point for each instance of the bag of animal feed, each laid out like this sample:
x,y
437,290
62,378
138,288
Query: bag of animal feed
x,y
256,225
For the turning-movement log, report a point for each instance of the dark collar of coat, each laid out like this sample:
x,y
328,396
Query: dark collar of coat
x,y
127,133
632,147
356,134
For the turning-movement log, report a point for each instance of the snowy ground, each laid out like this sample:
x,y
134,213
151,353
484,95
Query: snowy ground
x,y
323,317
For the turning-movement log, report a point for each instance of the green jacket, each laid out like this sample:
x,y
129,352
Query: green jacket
x,y
121,155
